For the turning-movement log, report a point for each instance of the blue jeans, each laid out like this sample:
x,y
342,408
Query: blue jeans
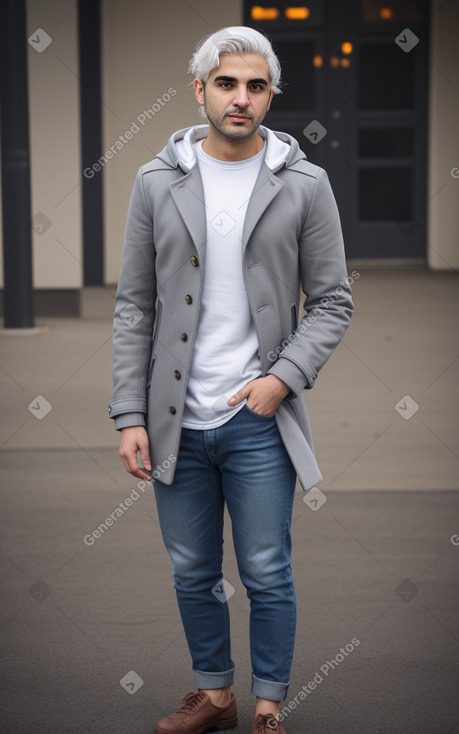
x,y
245,464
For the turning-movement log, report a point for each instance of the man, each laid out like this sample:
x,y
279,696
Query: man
x,y
224,227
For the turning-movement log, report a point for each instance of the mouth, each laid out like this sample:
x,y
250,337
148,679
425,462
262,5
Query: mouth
x,y
238,118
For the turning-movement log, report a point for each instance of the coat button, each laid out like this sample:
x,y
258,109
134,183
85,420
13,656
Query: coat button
x,y
177,375
194,261
184,337
188,299
172,410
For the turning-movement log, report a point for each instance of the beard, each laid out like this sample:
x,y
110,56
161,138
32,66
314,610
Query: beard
x,y
230,129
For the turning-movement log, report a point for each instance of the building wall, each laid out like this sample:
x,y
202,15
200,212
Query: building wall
x,y
55,146
443,179
145,57
146,47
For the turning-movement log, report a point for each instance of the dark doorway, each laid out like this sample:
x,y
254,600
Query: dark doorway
x,y
355,98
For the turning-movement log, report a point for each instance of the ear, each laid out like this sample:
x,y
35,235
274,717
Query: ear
x,y
271,95
199,90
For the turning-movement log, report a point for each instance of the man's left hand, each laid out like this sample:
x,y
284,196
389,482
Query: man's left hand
x,y
263,395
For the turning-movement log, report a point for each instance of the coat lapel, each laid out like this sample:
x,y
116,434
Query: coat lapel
x,y
188,195
267,186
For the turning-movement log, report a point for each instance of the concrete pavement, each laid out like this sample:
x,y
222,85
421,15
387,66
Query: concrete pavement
x,y
376,566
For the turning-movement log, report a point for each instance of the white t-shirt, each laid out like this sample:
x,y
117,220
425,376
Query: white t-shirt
x,y
225,356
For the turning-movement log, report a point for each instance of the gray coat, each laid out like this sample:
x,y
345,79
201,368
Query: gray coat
x,y
291,240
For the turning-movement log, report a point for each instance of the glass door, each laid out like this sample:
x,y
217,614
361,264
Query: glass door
x,y
355,98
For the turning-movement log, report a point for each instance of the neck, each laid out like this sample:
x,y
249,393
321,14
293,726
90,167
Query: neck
x,y
226,149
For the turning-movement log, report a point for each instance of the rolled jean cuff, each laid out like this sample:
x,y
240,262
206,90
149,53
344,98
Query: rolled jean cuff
x,y
206,680
270,689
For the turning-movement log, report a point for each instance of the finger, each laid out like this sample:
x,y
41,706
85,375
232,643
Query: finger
x,y
129,457
142,475
145,453
130,462
136,470
133,468
237,397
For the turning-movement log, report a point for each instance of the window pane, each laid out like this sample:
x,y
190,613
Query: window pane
x,y
386,142
297,76
385,194
385,77
284,14
374,11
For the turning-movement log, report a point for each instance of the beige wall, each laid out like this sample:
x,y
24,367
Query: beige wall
x,y
55,145
443,188
145,51
146,47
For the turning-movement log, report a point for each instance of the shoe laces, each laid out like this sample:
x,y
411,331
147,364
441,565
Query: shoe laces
x,y
191,702
266,722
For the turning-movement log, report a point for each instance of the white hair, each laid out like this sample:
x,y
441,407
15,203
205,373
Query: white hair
x,y
233,40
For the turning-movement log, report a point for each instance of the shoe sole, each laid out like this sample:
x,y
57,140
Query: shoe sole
x,y
230,724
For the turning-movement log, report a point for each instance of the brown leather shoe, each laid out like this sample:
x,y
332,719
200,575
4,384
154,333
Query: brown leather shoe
x,y
197,715
267,724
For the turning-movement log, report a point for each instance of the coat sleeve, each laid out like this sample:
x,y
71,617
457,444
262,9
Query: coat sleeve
x,y
324,281
134,314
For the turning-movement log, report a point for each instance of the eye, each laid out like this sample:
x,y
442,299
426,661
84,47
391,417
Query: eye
x,y
226,85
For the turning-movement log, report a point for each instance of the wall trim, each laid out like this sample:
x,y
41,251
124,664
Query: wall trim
x,y
62,302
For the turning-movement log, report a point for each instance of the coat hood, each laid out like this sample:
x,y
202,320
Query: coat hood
x,y
281,149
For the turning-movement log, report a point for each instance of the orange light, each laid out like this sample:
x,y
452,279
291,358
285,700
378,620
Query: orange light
x,y
347,48
346,63
259,13
386,13
334,61
317,61
297,13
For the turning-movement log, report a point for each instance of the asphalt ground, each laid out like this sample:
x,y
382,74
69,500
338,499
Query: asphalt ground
x,y
90,635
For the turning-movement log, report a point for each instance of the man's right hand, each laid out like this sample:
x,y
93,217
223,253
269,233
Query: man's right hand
x,y
134,439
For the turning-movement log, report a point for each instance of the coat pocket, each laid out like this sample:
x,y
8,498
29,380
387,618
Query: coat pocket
x,y
150,369
159,310
293,318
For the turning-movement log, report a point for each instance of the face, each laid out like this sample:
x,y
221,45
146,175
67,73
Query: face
x,y
237,94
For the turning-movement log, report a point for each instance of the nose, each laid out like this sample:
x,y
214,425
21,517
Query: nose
x,y
241,99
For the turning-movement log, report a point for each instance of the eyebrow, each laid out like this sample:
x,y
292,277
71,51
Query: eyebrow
x,y
222,78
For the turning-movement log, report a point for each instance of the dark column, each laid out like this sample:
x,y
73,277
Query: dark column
x,y
14,132
91,139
